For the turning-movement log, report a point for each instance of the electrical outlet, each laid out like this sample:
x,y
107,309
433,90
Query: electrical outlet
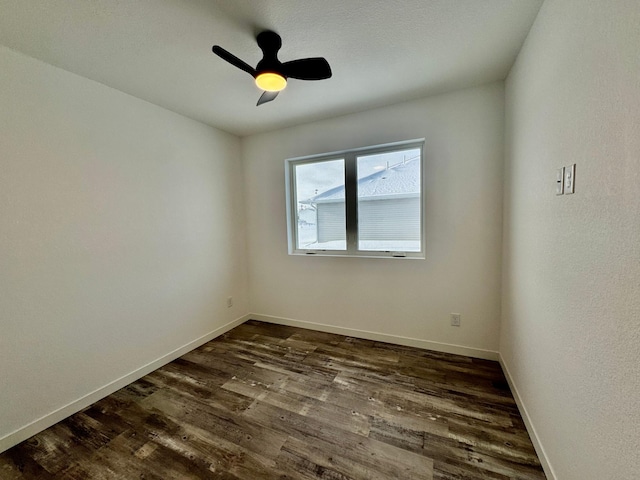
x,y
229,302
455,319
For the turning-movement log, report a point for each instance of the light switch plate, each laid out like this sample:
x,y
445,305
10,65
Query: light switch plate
x,y
569,179
560,181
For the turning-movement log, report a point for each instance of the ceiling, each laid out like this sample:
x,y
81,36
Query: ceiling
x,y
381,51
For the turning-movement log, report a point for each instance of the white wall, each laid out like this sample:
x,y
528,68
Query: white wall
x,y
406,298
121,236
571,311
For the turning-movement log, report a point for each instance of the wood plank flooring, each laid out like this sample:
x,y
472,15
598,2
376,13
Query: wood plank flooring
x,y
272,402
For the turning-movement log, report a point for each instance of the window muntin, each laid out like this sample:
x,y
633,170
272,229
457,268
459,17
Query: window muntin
x,y
362,202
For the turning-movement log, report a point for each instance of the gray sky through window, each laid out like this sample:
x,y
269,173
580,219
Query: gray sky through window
x,y
315,178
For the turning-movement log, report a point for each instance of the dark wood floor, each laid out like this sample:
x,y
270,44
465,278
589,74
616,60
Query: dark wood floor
x,y
272,402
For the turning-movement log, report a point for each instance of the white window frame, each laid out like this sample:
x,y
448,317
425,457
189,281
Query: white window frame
x,y
351,200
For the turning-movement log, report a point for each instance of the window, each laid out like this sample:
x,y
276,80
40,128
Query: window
x,y
363,202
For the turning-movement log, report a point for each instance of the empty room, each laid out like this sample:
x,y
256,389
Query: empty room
x,y
304,240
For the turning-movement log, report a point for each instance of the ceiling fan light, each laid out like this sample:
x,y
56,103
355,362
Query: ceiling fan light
x,y
271,82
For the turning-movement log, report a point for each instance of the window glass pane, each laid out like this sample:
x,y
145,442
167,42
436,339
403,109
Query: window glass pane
x,y
321,221
389,201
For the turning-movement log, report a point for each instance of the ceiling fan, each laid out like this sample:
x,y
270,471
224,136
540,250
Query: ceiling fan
x,y
271,74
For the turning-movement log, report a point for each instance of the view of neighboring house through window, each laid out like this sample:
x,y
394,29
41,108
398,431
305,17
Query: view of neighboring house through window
x,y
389,201
360,202
313,180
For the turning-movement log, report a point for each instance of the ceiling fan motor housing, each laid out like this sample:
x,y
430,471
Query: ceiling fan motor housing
x,y
269,42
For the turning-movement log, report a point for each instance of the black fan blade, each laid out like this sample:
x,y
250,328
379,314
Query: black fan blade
x,y
307,69
233,60
266,97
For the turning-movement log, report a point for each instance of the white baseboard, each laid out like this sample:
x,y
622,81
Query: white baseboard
x,y
56,416
380,337
542,454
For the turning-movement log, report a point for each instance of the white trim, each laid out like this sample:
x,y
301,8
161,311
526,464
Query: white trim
x,y
56,416
381,337
537,444
368,254
382,148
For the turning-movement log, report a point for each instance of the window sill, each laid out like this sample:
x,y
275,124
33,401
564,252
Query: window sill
x,y
389,255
